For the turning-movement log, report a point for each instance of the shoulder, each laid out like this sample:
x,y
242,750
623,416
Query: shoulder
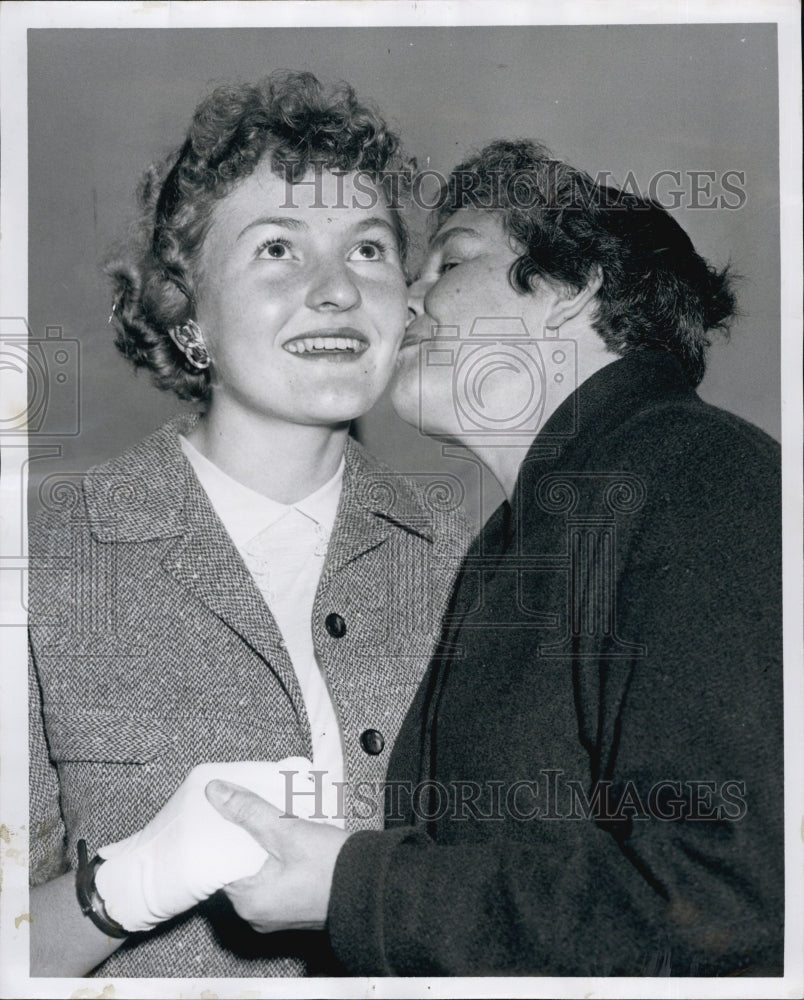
x,y
148,455
696,445
710,485
117,486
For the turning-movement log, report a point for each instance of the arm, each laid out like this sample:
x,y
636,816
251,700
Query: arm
x,y
185,854
63,941
395,903
181,857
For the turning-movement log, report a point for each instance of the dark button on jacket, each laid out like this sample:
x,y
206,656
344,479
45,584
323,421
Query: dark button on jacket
x,y
372,741
336,626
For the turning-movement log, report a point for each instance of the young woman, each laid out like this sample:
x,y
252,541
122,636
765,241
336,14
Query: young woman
x,y
246,584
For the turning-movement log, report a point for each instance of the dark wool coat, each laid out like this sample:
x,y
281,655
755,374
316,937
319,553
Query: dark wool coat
x,y
602,747
153,650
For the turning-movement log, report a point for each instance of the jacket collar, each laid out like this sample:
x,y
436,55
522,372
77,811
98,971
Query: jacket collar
x,y
151,492
144,493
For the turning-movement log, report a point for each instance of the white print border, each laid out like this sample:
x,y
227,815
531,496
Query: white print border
x,y
15,18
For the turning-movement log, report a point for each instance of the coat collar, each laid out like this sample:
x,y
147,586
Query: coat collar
x,y
151,492
142,495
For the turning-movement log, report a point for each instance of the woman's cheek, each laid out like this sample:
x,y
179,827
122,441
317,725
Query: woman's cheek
x,y
449,306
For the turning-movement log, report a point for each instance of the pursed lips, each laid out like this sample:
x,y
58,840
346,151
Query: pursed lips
x,y
416,333
332,342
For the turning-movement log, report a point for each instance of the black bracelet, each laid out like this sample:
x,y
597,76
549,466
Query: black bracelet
x,y
89,899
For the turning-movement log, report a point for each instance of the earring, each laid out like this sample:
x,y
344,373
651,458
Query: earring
x,y
190,342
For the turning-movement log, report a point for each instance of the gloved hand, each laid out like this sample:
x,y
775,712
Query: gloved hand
x,y
188,850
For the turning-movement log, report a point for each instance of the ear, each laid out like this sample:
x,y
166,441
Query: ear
x,y
174,334
565,308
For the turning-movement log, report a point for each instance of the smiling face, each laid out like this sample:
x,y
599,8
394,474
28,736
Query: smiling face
x,y
464,279
301,306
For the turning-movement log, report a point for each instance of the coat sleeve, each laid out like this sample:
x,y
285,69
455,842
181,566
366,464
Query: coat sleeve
x,y
694,888
47,831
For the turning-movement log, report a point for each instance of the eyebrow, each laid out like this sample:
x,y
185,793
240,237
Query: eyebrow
x,y
373,222
283,221
442,238
295,225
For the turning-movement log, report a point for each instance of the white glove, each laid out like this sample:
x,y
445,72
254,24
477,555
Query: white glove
x,y
188,850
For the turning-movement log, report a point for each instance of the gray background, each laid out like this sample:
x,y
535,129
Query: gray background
x,y
639,99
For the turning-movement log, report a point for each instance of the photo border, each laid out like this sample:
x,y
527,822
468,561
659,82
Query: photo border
x,y
15,19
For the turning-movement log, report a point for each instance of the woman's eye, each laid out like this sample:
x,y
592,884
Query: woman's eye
x,y
447,265
370,250
275,249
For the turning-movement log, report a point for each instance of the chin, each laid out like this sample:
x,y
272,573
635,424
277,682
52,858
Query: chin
x,y
342,411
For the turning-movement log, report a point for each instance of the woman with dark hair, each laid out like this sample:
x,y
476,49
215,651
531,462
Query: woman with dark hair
x,y
589,781
230,589
657,291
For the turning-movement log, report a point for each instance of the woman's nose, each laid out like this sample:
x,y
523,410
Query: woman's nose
x,y
334,288
416,293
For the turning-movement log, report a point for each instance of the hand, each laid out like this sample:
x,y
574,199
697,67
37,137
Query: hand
x,y
188,851
291,890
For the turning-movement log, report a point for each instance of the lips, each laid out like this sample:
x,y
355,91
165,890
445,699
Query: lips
x,y
415,336
422,327
340,341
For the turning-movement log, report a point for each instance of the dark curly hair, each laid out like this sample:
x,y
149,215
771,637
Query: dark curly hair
x,y
288,116
656,291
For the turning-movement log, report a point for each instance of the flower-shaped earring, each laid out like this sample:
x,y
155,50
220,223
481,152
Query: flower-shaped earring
x,y
190,342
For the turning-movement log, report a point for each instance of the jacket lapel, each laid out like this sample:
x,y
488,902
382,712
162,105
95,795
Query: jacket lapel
x,y
205,562
152,493
375,501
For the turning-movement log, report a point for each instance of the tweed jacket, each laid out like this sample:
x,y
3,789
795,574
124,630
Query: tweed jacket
x,y
602,740
153,650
